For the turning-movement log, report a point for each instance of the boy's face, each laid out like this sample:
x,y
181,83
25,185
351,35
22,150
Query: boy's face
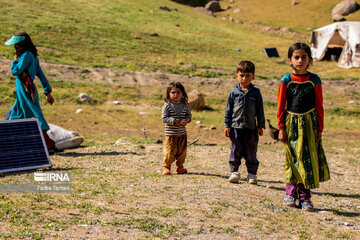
x,y
244,78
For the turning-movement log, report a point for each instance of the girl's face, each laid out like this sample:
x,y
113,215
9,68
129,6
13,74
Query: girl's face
x,y
17,49
175,94
300,61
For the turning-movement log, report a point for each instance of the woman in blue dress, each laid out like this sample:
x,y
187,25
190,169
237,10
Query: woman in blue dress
x,y
25,67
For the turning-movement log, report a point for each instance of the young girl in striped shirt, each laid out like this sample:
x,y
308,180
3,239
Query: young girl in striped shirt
x,y
175,114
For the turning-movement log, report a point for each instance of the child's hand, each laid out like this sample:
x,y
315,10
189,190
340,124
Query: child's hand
x,y
282,136
260,131
227,132
319,135
177,122
183,122
49,98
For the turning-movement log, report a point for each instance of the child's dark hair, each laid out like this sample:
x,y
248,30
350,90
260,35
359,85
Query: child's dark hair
x,y
246,67
297,46
179,86
26,44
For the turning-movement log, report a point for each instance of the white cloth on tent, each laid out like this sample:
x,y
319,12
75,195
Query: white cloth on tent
x,y
350,34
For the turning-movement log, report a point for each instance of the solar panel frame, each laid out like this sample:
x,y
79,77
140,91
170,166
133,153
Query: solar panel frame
x,y
22,142
271,52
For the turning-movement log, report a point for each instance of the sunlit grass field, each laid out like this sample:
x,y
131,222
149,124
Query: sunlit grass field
x,y
117,34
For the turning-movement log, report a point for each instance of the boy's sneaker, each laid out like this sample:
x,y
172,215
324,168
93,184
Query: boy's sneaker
x,y
234,177
307,205
252,179
289,201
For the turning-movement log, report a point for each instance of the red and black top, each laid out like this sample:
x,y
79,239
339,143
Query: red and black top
x,y
300,94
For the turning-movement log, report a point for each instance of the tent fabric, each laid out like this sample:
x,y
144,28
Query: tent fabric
x,y
343,34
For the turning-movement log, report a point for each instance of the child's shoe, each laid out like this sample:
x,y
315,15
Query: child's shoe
x,y
166,171
234,177
180,170
252,179
289,201
307,205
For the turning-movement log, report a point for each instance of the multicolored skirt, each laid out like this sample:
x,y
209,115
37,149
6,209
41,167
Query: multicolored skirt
x,y
305,160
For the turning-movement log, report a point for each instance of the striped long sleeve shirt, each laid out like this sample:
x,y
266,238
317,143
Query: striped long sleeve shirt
x,y
172,111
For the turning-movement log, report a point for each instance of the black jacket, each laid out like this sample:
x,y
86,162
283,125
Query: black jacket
x,y
245,109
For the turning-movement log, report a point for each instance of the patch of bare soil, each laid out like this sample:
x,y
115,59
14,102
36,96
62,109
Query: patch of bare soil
x,y
118,191
127,198
60,72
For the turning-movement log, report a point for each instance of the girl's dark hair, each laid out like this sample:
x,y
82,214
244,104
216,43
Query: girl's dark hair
x,y
26,44
297,46
179,86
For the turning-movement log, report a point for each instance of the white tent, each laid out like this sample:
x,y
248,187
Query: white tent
x,y
341,35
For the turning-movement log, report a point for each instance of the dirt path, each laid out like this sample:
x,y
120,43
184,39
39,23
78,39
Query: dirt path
x,y
60,72
118,192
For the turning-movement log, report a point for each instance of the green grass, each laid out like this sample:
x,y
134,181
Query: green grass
x,y
299,18
119,35
116,34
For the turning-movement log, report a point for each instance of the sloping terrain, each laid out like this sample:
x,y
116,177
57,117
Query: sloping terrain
x,y
105,48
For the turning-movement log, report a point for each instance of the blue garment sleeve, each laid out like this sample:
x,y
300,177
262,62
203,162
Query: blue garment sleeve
x,y
286,79
229,110
18,66
260,116
44,82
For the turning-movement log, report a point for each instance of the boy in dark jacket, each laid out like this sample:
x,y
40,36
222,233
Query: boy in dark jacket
x,y
244,122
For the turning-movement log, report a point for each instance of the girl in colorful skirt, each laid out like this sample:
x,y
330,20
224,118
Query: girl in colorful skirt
x,y
301,121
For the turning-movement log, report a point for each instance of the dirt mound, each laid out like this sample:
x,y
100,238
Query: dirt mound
x,y
60,72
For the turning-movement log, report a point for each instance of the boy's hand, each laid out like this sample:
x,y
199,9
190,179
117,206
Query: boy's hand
x,y
282,135
183,122
260,131
49,98
177,122
227,132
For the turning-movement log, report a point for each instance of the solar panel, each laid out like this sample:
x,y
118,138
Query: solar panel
x,y
22,146
271,52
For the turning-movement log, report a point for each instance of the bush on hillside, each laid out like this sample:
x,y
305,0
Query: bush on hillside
x,y
194,3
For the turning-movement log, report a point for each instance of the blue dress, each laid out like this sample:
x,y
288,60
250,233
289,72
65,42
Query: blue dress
x,y
24,107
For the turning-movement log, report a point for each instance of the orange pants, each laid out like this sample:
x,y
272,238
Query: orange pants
x,y
175,150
